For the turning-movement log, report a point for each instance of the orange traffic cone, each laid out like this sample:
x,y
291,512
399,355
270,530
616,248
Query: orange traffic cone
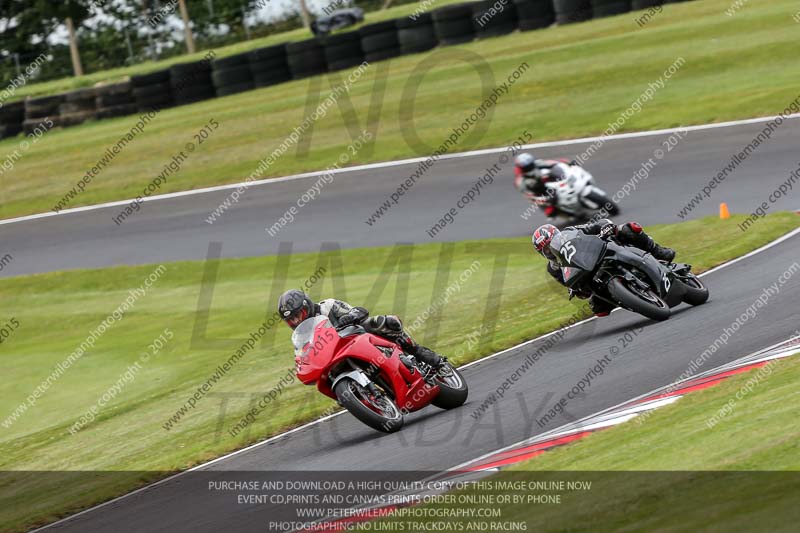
x,y
723,211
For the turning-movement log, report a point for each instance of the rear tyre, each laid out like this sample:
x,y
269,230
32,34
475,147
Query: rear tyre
x,y
453,390
696,293
611,207
646,303
381,414
604,202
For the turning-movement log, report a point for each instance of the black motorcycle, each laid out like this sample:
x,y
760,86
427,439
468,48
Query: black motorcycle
x,y
626,277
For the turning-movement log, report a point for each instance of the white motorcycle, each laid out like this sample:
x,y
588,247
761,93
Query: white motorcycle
x,y
578,197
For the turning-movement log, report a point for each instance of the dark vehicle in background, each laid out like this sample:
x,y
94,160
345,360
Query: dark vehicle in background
x,y
340,18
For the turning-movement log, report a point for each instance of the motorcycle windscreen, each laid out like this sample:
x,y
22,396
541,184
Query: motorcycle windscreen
x,y
314,343
578,250
304,333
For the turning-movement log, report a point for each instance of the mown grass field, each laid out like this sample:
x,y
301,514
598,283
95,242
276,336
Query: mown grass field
x,y
653,476
581,77
57,311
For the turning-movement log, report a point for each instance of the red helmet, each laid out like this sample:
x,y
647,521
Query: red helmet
x,y
542,238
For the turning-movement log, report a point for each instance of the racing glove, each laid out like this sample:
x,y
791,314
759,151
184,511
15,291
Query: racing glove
x,y
355,316
607,231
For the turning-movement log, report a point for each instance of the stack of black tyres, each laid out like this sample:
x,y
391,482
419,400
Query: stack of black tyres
x,y
12,115
608,8
534,14
417,34
115,100
77,107
305,58
39,109
232,75
268,65
644,4
379,41
343,50
569,11
491,18
453,24
152,90
191,82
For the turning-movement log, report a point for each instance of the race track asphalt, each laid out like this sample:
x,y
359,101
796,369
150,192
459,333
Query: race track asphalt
x,y
176,228
435,440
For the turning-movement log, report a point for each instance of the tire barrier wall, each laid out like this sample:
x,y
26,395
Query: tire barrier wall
x,y
12,115
380,41
191,82
186,83
417,34
534,14
453,24
492,18
231,75
151,90
39,109
306,58
343,50
569,11
608,8
268,65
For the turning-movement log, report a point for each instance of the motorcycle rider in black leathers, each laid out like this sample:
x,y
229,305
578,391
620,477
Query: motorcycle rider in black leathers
x,y
531,176
628,234
295,306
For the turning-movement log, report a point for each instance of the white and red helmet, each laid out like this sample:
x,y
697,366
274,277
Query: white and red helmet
x,y
542,238
526,163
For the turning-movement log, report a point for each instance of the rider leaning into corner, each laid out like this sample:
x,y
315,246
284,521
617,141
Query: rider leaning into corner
x,y
628,234
295,306
531,176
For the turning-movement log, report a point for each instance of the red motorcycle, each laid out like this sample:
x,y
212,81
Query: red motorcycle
x,y
370,376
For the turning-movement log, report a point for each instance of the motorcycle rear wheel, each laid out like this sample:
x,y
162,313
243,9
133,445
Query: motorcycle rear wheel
x,y
381,414
612,208
453,389
604,202
696,292
653,307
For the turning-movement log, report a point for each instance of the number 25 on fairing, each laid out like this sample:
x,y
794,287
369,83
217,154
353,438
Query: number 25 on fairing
x,y
568,251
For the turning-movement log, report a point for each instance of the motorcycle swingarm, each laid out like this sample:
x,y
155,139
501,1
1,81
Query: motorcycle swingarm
x,y
603,277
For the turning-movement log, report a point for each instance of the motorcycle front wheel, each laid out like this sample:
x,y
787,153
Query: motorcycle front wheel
x,y
378,412
646,303
453,390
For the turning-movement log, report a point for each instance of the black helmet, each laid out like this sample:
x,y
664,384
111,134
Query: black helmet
x,y
295,306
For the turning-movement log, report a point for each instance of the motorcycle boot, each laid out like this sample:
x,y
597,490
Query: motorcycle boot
x,y
633,234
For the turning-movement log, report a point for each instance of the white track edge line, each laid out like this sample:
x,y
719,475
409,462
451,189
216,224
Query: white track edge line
x,y
573,427
399,162
320,420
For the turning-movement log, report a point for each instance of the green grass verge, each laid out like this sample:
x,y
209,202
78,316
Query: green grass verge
x,y
581,78
122,73
57,311
760,434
